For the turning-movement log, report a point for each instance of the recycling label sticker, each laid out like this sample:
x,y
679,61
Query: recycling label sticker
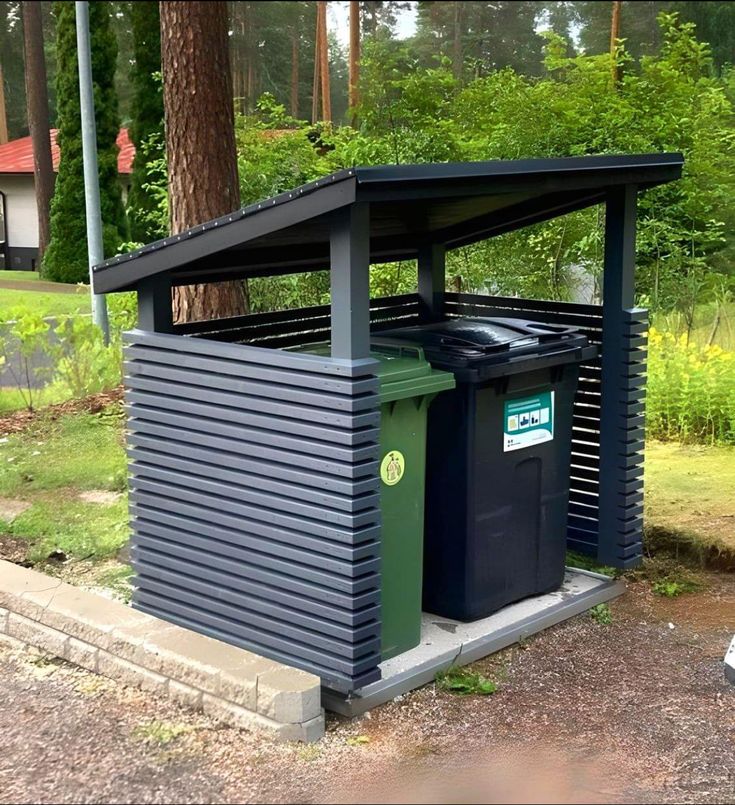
x,y
528,421
392,468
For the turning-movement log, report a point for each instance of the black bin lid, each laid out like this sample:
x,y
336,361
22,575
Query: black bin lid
x,y
483,338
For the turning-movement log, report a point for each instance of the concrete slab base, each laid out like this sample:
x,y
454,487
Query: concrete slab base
x,y
445,642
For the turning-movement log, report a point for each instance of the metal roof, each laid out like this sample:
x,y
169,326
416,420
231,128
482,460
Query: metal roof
x,y
16,157
450,203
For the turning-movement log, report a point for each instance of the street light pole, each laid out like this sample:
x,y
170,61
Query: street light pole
x,y
95,246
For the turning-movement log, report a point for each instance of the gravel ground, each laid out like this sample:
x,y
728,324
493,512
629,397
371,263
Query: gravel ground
x,y
635,711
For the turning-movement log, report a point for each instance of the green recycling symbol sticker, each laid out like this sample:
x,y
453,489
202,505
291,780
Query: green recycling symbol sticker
x,y
392,468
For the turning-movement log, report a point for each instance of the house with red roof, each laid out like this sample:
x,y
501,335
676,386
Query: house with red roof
x,y
18,214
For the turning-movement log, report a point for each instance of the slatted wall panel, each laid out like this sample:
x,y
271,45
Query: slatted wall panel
x,y
623,488
255,499
622,445
623,481
286,328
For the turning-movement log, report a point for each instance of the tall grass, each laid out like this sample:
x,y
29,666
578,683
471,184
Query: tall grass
x,y
691,390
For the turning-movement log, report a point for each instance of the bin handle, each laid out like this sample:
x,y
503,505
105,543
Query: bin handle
x,y
398,347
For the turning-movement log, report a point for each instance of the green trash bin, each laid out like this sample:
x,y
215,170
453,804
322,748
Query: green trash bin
x,y
408,384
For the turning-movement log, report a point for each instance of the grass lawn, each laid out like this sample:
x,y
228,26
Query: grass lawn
x,y
26,276
690,498
54,466
11,399
47,303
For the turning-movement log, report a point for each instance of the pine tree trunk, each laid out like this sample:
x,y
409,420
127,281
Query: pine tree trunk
x,y
38,119
200,139
317,61
354,74
295,72
3,114
324,62
457,44
614,36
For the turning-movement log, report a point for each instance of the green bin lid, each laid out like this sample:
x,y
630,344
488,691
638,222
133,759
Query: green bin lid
x,y
402,368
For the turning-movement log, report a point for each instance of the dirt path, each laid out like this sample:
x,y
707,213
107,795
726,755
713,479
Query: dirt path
x,y
636,711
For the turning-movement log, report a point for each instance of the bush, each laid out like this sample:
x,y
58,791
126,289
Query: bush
x,y
691,390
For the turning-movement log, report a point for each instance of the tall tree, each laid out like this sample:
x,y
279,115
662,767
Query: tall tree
x,y
715,23
38,118
66,257
457,41
324,61
200,139
638,26
294,95
614,36
146,125
354,70
486,35
3,110
12,82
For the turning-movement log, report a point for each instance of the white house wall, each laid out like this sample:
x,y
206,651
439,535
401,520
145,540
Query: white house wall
x,y
21,225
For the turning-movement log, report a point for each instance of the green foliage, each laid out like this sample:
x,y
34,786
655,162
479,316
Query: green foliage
x,y
600,613
672,589
146,127
66,258
463,682
691,390
23,333
83,364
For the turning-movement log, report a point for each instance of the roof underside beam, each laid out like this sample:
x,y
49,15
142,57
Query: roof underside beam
x,y
275,261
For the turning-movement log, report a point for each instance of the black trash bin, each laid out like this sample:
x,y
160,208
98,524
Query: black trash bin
x,y
498,461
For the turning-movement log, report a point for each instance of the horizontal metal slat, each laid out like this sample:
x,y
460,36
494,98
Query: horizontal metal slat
x,y
238,608
162,494
330,676
278,411
204,551
152,464
241,531
266,374
253,495
353,461
252,354
267,640
306,430
267,595
217,382
232,574
213,454
229,542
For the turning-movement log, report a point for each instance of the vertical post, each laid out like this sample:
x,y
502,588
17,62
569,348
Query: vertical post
x,y
623,391
155,312
350,281
95,246
432,278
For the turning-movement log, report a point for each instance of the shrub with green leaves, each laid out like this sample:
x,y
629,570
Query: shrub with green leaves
x,y
66,259
691,390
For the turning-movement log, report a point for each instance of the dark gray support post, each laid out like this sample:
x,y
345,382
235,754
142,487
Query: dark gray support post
x,y
155,313
623,390
350,281
432,276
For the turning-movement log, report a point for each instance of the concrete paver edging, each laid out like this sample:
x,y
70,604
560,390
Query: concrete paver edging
x,y
229,684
